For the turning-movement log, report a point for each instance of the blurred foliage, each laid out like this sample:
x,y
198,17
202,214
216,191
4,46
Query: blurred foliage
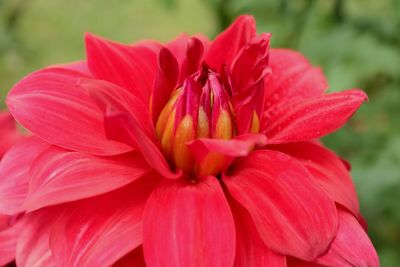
x,y
356,42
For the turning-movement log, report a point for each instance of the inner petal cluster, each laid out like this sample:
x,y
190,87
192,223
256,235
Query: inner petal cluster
x,y
200,108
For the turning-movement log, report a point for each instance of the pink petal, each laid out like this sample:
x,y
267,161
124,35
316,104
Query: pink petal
x,y
131,67
59,175
276,190
127,127
133,258
9,134
14,173
49,104
312,118
100,230
8,242
226,45
188,224
33,239
292,77
250,249
351,247
328,171
251,64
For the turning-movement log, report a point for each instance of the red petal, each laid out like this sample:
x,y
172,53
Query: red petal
x,y
165,81
351,247
292,77
250,249
193,59
276,190
59,175
127,127
8,242
131,67
251,64
240,146
188,224
14,173
9,134
178,48
328,171
247,104
49,104
226,45
312,118
109,96
134,258
100,230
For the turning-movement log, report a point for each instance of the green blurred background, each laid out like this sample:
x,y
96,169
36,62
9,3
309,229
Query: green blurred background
x,y
356,42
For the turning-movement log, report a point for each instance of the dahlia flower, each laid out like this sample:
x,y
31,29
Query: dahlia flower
x,y
9,135
189,153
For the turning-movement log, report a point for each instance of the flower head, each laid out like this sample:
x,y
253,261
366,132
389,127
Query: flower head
x,y
191,153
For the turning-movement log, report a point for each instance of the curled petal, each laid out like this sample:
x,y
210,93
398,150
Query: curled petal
x,y
312,118
292,215
49,104
14,173
165,81
59,175
226,45
196,226
188,52
251,64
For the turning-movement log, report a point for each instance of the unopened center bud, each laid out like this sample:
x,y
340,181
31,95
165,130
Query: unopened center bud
x,y
199,109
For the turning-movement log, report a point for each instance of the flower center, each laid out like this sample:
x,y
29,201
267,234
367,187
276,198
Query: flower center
x,y
200,108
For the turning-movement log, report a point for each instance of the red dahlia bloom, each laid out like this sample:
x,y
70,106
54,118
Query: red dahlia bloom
x,y
192,153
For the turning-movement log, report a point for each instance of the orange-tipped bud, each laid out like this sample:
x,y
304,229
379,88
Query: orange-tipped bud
x,y
223,127
167,136
203,124
255,123
184,133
